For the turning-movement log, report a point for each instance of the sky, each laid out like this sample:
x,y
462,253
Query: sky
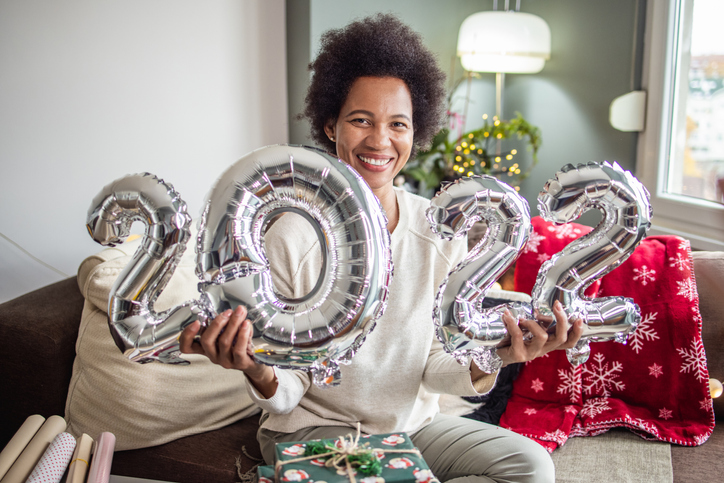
x,y
707,37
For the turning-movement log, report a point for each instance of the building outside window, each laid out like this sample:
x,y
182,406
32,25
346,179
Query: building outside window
x,y
681,150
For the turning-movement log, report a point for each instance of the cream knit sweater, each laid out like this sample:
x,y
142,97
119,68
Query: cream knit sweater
x,y
394,379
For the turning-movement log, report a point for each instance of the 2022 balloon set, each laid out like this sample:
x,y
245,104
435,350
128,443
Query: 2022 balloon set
x,y
325,328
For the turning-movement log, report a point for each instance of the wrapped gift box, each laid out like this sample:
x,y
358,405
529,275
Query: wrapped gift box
x,y
400,462
265,474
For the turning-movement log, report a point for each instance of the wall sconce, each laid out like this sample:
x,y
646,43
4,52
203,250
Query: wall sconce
x,y
628,112
504,42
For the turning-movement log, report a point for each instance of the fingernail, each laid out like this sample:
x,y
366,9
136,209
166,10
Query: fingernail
x,y
227,313
238,309
557,304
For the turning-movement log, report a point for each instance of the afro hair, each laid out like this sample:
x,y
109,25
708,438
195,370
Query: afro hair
x,y
376,46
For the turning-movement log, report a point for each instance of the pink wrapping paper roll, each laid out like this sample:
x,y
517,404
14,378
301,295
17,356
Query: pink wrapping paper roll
x,y
78,467
52,464
19,441
27,460
100,470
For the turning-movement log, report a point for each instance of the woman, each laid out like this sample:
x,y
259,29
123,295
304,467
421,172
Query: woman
x,y
375,97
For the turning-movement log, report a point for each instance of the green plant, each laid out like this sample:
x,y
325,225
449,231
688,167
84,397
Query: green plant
x,y
475,152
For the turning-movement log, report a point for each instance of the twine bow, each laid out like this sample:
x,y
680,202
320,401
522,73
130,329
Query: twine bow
x,y
346,454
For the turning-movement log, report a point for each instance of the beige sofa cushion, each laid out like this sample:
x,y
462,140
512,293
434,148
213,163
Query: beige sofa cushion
x,y
144,404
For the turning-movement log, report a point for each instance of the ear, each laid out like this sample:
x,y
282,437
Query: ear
x,y
329,129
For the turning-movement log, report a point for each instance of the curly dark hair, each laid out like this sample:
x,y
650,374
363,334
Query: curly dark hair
x,y
376,46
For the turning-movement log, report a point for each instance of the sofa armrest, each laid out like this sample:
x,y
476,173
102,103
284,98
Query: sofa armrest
x,y
38,332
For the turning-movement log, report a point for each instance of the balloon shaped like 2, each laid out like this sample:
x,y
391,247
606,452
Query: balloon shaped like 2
x,y
315,333
626,217
464,328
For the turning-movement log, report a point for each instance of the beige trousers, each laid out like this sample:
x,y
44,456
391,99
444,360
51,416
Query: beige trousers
x,y
456,449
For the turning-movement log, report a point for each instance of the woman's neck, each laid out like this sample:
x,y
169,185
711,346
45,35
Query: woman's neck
x,y
388,200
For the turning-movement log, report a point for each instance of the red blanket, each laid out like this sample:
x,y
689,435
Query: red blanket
x,y
657,384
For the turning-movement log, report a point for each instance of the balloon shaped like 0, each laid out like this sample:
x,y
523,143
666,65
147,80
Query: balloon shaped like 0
x,y
465,329
624,203
316,332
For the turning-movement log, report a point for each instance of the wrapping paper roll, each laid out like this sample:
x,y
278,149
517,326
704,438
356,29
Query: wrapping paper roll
x,y
100,470
78,467
52,464
23,466
18,442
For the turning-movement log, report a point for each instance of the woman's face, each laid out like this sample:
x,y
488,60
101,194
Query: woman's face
x,y
374,129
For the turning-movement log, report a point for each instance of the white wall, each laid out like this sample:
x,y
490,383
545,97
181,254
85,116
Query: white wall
x,y
93,90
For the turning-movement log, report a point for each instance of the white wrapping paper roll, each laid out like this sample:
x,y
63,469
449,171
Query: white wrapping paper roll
x,y
23,466
78,467
100,470
53,463
19,441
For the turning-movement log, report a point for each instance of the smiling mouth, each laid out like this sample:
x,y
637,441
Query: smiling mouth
x,y
374,162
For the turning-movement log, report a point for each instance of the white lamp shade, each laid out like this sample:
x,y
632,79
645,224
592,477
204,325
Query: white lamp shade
x,y
509,42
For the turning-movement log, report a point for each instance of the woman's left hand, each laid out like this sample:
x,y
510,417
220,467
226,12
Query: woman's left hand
x,y
539,342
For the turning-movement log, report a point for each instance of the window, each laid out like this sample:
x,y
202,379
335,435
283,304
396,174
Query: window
x,y
681,150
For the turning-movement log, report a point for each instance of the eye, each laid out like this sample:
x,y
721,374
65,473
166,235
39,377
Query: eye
x,y
399,125
359,120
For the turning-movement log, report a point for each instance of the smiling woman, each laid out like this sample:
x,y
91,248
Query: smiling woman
x,y
377,94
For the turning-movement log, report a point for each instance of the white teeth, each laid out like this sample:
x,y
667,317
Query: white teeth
x,y
375,162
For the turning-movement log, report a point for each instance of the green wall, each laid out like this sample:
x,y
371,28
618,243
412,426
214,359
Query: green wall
x,y
595,57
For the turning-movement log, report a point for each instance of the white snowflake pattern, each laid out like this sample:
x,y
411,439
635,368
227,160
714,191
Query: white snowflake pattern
x,y
556,436
572,409
706,405
543,257
599,379
641,424
530,411
679,261
656,370
687,288
684,245
644,274
570,383
694,360
594,406
665,413
645,331
565,231
537,385
533,242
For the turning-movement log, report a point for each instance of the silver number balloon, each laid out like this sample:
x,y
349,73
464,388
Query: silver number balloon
x,y
464,328
316,332
142,334
624,203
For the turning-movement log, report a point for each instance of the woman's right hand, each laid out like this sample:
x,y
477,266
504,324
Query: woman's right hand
x,y
226,341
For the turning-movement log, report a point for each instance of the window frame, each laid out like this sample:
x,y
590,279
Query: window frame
x,y
699,221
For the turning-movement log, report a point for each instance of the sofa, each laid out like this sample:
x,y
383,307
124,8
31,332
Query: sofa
x,y
200,439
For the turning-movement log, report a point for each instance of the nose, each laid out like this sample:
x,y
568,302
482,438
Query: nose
x,y
379,137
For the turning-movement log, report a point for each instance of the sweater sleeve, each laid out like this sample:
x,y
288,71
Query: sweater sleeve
x,y
443,374
294,268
